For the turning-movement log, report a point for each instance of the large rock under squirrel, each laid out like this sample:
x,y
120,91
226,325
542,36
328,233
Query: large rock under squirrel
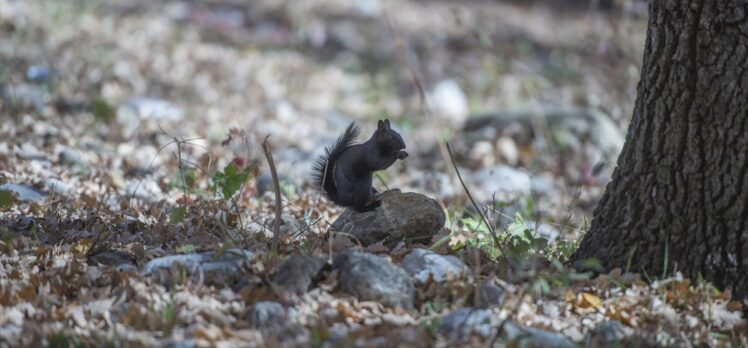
x,y
407,216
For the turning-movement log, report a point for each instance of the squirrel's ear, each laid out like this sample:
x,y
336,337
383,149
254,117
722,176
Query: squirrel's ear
x,y
380,125
387,123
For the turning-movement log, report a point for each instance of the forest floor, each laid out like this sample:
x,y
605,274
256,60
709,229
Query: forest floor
x,y
131,131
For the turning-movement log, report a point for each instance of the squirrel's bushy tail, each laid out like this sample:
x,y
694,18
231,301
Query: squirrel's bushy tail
x,y
325,165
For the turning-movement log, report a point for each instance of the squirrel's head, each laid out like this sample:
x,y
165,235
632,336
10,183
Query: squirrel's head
x,y
386,138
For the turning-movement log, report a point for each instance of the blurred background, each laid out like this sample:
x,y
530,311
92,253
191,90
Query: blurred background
x,y
533,96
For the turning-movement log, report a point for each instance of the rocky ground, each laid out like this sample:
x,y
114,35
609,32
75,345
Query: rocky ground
x,y
137,206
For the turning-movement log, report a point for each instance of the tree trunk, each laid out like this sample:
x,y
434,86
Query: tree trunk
x,y
678,199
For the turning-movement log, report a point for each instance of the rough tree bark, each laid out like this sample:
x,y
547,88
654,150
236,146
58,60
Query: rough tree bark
x,y
679,196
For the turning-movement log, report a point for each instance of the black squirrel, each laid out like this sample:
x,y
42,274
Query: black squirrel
x,y
346,170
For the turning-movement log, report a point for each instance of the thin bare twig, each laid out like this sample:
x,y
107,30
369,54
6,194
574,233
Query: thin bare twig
x,y
475,205
278,203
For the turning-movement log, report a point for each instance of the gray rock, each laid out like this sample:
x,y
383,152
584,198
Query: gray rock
x,y
529,337
27,151
24,193
606,334
71,156
422,264
266,314
137,110
59,187
501,182
230,260
449,102
490,295
402,216
26,95
298,273
278,324
38,73
112,258
177,343
369,277
155,109
145,189
218,269
467,321
542,185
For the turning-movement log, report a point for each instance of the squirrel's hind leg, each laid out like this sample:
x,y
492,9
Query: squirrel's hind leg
x,y
364,201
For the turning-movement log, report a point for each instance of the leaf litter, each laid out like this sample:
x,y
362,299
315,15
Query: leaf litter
x,y
140,140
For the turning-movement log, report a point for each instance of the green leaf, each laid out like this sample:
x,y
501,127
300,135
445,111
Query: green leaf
x,y
102,110
177,214
6,199
186,249
230,180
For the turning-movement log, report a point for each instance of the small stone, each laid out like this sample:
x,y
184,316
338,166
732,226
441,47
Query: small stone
x,y
137,110
490,295
276,321
227,260
59,187
524,336
146,189
155,109
29,152
606,334
24,193
266,314
71,156
508,150
504,181
372,278
111,258
482,152
465,322
179,343
449,102
218,268
298,273
26,95
542,185
38,73
423,264
406,216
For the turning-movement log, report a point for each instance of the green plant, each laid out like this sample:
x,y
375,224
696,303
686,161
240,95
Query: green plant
x,y
230,180
103,111
287,189
517,241
186,249
6,199
63,340
178,214
169,316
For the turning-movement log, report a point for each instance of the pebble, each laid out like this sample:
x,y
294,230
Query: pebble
x,y
371,278
423,264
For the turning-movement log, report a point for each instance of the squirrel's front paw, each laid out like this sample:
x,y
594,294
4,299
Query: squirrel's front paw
x,y
402,155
